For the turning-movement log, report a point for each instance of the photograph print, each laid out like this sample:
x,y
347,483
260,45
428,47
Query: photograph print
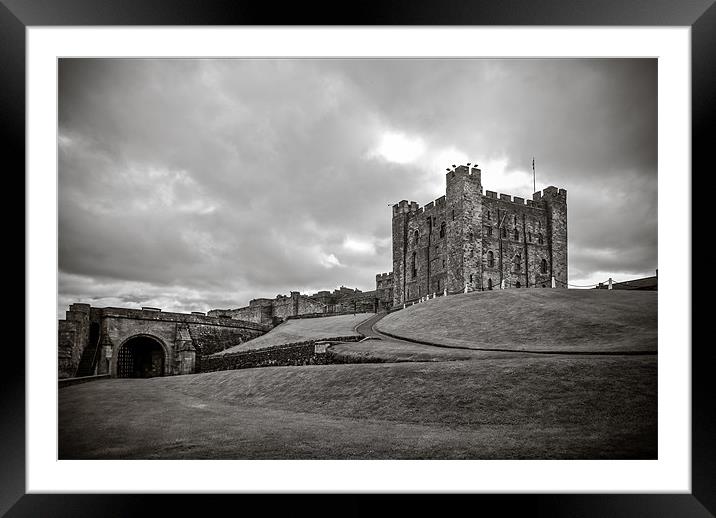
x,y
360,258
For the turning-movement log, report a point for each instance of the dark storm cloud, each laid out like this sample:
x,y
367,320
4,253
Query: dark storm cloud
x,y
193,184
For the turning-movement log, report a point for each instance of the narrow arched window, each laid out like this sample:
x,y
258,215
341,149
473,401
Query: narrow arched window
x,y
490,259
529,236
470,278
489,216
539,239
489,284
504,232
442,229
518,262
517,235
544,265
514,220
416,235
415,266
453,214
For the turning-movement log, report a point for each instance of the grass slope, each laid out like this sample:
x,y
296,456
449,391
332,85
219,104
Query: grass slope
x,y
393,351
533,320
521,407
301,329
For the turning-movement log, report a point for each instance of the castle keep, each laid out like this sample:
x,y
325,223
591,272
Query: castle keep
x,y
467,240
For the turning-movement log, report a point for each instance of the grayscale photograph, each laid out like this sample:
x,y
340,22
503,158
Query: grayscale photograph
x,y
357,258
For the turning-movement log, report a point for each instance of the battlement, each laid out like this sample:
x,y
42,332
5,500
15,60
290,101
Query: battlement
x,y
550,192
383,275
518,200
405,207
463,171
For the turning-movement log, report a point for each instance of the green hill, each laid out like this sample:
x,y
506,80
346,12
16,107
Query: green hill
x,y
539,320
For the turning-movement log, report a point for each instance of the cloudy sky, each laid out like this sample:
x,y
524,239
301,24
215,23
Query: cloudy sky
x,y
197,184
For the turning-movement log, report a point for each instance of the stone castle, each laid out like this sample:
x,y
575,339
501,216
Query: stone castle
x,y
467,240
463,241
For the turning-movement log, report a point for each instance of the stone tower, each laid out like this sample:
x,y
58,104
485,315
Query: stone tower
x,y
475,241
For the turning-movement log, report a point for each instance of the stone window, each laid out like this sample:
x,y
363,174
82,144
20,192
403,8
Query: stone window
x,y
504,232
489,231
416,235
517,235
529,236
490,259
489,216
470,278
415,266
514,220
518,262
518,285
544,265
489,284
443,263
436,249
539,239
453,214
442,229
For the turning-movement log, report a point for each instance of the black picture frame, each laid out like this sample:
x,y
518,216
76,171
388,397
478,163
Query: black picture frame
x,y
700,15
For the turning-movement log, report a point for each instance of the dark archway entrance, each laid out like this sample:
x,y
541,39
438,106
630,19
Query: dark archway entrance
x,y
140,357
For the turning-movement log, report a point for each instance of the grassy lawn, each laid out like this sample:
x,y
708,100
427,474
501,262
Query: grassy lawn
x,y
515,407
534,320
389,351
301,329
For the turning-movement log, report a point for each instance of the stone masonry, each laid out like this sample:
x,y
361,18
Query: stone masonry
x,y
475,241
96,340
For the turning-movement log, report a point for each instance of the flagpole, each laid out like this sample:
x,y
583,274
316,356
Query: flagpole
x,y
534,181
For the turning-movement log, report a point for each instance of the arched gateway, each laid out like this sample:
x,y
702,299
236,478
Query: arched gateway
x,y
141,357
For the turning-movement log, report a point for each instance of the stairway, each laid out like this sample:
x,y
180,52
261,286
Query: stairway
x,y
88,359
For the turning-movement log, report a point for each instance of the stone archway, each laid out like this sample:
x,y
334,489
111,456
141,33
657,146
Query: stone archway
x,y
141,356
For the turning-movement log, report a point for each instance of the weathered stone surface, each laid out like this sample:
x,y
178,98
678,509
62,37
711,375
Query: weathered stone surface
x,y
299,353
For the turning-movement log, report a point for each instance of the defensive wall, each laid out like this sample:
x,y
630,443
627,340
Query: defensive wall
x,y
274,311
100,340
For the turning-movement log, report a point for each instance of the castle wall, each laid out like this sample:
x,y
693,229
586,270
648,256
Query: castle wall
x,y
530,221
256,314
183,337
384,290
296,304
73,336
68,340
